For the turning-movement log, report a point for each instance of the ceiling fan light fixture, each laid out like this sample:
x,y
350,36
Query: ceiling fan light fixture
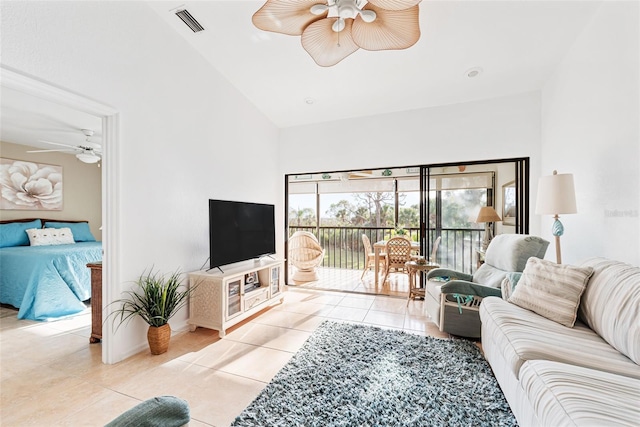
x,y
88,157
338,25
368,16
346,11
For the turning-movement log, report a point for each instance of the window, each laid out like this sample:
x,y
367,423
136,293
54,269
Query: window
x,y
459,207
302,210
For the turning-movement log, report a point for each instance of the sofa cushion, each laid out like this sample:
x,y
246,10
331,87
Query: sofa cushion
x,y
523,335
551,290
510,252
489,275
611,305
507,253
565,395
509,284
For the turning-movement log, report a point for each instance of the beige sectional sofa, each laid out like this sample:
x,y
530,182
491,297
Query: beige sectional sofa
x,y
585,375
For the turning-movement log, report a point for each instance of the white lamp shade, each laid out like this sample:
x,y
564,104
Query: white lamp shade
x,y
556,195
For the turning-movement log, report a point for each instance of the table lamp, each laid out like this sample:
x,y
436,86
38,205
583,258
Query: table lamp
x,y
556,195
487,215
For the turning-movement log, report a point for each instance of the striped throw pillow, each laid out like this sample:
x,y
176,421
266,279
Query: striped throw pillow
x,y
551,290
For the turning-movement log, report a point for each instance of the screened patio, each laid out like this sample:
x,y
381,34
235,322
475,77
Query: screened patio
x,y
419,202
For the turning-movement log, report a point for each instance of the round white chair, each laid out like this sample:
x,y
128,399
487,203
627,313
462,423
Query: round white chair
x,y
305,254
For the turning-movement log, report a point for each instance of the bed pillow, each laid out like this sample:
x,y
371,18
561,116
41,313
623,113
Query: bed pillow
x,y
14,233
551,290
80,230
50,236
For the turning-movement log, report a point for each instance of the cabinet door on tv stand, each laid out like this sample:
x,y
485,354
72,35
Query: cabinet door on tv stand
x,y
234,298
275,281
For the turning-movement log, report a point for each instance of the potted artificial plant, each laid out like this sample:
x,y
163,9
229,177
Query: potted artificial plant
x,y
156,299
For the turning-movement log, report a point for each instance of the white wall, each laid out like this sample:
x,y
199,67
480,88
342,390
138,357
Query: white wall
x,y
181,126
590,128
498,128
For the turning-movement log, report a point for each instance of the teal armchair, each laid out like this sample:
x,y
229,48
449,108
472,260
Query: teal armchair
x,y
453,298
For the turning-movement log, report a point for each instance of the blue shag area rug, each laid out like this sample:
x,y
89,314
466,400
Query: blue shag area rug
x,y
356,375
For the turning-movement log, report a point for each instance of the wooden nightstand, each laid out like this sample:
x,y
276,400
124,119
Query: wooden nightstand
x,y
96,301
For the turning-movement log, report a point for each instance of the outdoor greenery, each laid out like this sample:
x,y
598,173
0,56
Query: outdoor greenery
x,y
459,207
377,210
302,217
343,223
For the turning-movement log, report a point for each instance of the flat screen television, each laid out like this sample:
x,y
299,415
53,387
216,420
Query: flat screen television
x,y
240,231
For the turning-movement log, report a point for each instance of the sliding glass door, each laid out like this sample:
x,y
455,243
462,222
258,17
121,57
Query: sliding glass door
x,y
451,198
423,202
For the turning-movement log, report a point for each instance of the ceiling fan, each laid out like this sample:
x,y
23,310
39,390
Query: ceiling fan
x,y
88,152
331,30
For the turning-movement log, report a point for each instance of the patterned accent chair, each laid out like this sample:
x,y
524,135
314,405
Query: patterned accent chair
x,y
453,298
305,254
398,250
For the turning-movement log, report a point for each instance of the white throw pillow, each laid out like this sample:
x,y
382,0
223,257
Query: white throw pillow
x,y
50,236
551,290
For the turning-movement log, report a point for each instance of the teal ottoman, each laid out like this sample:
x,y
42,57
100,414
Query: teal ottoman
x,y
162,411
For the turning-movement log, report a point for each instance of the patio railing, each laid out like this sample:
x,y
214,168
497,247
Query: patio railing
x,y
344,248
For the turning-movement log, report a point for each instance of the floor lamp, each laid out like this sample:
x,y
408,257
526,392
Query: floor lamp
x,y
556,195
487,215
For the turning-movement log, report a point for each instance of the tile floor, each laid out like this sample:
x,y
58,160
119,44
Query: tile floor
x,y
342,279
52,376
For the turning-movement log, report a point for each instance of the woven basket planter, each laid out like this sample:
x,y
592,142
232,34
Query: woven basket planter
x,y
158,337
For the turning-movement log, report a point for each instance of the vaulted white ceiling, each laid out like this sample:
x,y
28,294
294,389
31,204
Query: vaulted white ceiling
x,y
516,43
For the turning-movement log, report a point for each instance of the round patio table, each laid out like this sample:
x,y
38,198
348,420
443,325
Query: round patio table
x,y
413,268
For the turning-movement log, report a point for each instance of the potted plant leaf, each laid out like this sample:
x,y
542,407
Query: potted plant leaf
x,y
156,299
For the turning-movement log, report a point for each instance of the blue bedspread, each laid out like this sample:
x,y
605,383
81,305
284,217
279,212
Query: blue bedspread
x,y
46,282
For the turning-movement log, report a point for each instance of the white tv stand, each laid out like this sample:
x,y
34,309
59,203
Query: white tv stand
x,y
223,299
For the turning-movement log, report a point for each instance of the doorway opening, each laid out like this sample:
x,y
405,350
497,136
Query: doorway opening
x,y
109,117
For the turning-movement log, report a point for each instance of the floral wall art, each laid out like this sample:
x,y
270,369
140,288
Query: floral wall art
x,y
30,186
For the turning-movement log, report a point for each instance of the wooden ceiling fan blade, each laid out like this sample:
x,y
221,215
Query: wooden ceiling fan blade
x,y
289,17
326,46
394,4
391,30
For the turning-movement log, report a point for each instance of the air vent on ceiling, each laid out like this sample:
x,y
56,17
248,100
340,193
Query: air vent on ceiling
x,y
191,22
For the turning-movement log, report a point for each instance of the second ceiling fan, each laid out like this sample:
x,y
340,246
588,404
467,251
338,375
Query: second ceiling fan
x,y
87,152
